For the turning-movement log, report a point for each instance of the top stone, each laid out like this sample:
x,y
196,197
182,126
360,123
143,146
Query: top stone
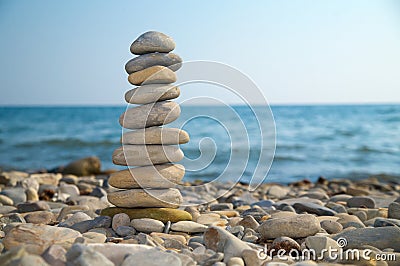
x,y
152,41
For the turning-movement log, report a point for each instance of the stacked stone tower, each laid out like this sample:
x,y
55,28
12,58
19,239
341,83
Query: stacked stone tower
x,y
146,189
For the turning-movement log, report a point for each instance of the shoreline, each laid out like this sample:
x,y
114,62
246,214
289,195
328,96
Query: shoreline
x,y
230,230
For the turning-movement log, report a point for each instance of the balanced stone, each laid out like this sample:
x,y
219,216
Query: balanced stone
x,y
161,214
139,198
152,75
156,135
149,115
152,41
170,60
152,93
159,176
142,155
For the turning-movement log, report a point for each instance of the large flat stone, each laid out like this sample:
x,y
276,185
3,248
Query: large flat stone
x,y
154,176
139,198
170,60
152,75
161,214
152,93
142,155
152,41
149,115
156,135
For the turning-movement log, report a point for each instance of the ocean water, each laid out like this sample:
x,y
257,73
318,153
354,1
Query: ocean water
x,y
332,141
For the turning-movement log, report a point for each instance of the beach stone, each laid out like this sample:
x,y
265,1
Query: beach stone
x,y
331,227
98,222
162,214
188,227
152,41
31,194
46,178
220,240
12,218
249,222
156,176
316,195
153,257
264,204
313,209
55,255
277,192
382,222
152,75
298,226
235,261
292,201
347,220
82,255
33,206
285,243
394,210
7,209
361,201
134,198
380,237
152,93
37,238
117,252
120,219
4,200
164,236
147,225
221,206
156,135
340,198
149,115
336,207
69,189
94,237
170,60
21,258
251,257
83,167
71,210
143,155
12,178
319,243
40,217
208,218
123,230
17,195
75,218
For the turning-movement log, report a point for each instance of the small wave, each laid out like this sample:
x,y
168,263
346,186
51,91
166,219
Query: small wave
x,y
366,149
67,143
393,119
289,147
279,158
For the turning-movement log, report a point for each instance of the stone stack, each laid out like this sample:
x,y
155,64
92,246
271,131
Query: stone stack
x,y
147,190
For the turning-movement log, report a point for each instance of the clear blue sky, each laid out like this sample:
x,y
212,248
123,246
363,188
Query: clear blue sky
x,y
74,52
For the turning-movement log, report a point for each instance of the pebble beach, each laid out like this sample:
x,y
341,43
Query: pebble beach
x,y
65,219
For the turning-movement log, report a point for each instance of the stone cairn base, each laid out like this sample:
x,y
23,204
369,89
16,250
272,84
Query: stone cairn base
x,y
147,191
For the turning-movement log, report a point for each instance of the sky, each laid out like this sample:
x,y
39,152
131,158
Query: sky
x,y
296,52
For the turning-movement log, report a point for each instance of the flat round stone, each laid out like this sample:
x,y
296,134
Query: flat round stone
x,y
157,176
152,41
139,198
170,60
161,214
142,155
149,115
152,93
152,75
156,135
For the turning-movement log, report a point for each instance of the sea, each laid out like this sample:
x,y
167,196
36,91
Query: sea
x,y
333,141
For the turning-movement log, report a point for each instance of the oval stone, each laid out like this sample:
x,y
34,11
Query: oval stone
x,y
152,75
157,176
152,93
156,135
161,214
139,198
142,155
170,60
152,41
150,115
